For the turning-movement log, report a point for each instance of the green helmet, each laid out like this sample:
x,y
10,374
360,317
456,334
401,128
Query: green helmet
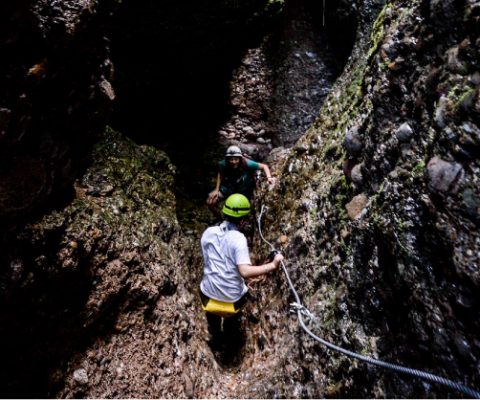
x,y
236,205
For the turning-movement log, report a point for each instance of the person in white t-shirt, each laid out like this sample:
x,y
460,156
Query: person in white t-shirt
x,y
227,262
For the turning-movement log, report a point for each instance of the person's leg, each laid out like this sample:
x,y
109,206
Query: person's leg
x,y
214,321
232,326
214,325
234,339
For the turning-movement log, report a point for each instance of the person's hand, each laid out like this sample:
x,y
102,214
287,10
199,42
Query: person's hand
x,y
213,197
271,180
277,259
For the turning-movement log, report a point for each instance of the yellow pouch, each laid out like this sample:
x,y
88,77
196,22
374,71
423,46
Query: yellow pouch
x,y
220,308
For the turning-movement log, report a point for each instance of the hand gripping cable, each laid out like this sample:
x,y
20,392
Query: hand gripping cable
x,y
302,311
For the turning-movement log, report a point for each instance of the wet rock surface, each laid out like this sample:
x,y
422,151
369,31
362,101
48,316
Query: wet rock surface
x,y
95,291
376,208
444,176
51,98
384,283
280,86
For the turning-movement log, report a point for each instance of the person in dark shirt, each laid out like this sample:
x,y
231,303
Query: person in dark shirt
x,y
236,174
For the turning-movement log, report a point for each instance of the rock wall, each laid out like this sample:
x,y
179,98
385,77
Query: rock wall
x,y
376,209
55,92
90,275
383,235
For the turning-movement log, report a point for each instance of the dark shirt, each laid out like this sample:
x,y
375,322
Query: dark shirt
x,y
238,180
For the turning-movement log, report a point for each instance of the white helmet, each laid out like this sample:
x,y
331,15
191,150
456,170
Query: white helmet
x,y
233,151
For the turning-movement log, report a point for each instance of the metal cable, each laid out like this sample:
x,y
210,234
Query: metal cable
x,y
323,14
302,310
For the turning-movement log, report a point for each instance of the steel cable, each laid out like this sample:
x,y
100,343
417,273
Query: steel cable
x,y
302,310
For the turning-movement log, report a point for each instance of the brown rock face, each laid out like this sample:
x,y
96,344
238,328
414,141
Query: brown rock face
x,y
356,206
99,297
55,92
444,176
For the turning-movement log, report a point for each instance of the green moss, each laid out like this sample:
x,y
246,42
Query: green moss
x,y
128,193
465,98
355,90
454,92
340,202
419,169
366,352
378,31
343,183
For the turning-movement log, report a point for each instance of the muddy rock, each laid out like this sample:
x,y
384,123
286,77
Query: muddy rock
x,y
80,376
123,241
440,112
444,176
471,200
50,88
356,206
107,280
431,239
454,64
353,142
404,132
356,174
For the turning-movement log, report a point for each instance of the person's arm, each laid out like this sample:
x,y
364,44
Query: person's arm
x,y
251,271
219,180
266,170
213,196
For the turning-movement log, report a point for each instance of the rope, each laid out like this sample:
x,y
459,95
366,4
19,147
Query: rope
x,y
301,311
323,14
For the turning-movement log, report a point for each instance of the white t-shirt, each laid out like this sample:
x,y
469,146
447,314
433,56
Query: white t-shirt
x,y
224,248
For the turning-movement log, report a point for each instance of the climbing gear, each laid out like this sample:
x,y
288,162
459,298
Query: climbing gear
x,y
220,308
236,205
233,151
297,307
301,311
272,255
